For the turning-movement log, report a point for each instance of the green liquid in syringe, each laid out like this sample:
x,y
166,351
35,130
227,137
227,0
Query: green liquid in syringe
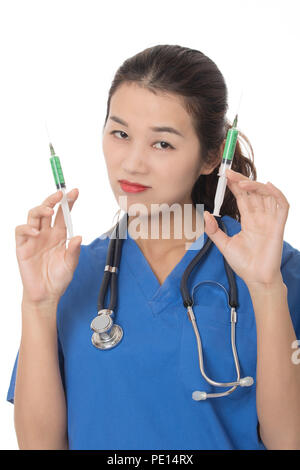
x,y
56,169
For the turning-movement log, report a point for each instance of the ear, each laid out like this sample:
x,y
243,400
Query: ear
x,y
208,169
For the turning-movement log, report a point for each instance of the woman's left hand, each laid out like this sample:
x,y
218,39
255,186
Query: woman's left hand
x,y
255,252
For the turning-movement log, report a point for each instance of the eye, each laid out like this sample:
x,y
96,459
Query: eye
x,y
160,142
114,132
165,148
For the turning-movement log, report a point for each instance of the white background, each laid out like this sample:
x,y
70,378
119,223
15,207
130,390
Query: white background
x,y
58,58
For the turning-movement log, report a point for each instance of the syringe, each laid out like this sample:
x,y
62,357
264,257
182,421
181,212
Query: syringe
x,y
60,184
228,154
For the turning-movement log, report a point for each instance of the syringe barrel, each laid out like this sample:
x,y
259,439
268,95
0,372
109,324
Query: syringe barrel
x,y
230,144
67,214
57,172
229,150
228,154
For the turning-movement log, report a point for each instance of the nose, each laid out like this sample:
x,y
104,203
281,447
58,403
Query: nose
x,y
135,161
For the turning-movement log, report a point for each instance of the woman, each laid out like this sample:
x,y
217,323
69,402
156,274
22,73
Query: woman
x,y
69,394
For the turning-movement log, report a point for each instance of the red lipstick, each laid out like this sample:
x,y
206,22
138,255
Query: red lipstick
x,y
130,187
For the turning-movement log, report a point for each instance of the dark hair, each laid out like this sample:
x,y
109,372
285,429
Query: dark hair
x,y
195,78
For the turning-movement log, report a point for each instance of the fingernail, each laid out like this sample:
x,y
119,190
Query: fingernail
x,y
34,230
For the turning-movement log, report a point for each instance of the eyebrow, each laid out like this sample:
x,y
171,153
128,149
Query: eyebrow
x,y
155,128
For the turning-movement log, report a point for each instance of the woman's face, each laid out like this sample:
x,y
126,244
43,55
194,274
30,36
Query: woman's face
x,y
167,162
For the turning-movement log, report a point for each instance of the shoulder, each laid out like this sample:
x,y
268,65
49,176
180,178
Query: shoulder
x,y
96,250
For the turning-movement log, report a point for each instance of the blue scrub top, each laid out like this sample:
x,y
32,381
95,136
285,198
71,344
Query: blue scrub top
x,y
138,395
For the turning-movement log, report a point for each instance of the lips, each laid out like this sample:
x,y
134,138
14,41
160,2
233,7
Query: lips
x,y
129,187
135,185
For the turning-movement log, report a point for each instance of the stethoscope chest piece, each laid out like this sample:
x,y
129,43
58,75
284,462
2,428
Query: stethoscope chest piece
x,y
106,335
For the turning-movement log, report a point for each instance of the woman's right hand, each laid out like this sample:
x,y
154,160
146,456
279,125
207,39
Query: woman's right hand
x,y
46,265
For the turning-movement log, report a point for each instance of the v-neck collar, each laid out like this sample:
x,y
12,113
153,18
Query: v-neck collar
x,y
158,296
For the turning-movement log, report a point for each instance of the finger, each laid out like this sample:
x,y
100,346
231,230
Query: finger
x,y
40,217
34,219
256,192
237,182
244,181
218,237
265,190
270,204
279,196
73,251
273,197
23,232
255,200
267,196
283,206
236,176
242,198
250,185
59,221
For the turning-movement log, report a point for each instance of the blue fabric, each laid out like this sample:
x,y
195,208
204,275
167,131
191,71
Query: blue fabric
x,y
139,394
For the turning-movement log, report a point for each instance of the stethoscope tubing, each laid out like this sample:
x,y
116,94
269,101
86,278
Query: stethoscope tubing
x,y
187,300
110,335
112,263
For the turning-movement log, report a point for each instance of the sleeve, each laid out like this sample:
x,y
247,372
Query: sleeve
x,y
290,271
11,389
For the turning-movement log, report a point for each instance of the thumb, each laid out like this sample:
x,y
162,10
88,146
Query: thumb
x,y
213,231
73,252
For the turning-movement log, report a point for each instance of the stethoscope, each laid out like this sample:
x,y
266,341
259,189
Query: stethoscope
x,y
107,335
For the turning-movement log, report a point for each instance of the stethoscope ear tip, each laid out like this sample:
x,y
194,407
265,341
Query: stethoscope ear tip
x,y
246,382
198,396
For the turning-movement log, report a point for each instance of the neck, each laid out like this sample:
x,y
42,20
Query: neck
x,y
158,234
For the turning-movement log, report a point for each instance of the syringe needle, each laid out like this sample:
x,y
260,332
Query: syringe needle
x,y
51,149
47,131
235,121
